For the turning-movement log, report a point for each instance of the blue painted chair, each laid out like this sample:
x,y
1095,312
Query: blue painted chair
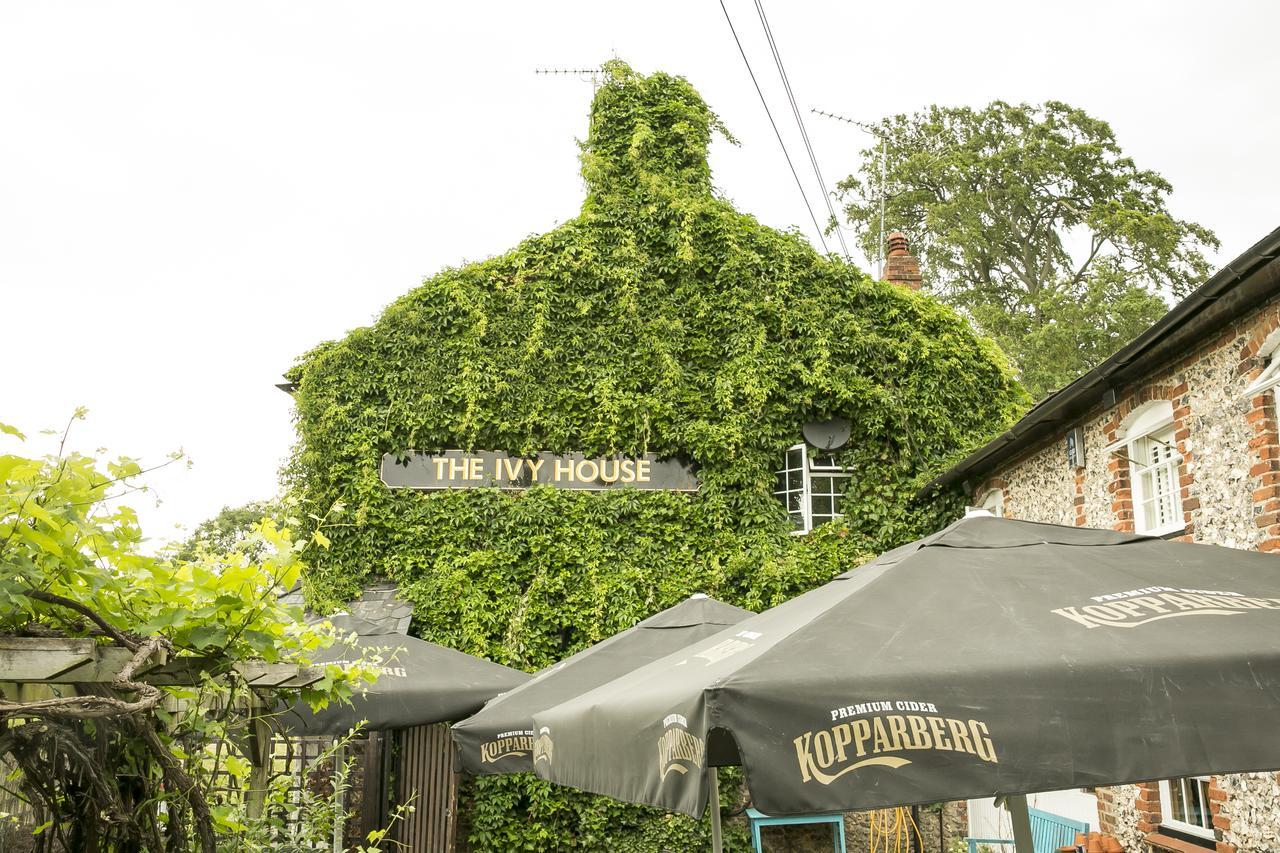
x,y
1048,833
759,820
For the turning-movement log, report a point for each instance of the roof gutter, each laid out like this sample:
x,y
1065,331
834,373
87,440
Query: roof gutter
x,y
1071,401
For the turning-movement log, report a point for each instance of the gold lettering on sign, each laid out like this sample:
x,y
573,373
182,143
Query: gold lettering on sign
x,y
506,747
827,754
458,469
462,469
679,750
543,746
1144,609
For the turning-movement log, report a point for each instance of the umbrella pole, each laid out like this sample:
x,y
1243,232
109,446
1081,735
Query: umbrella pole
x,y
1017,804
713,803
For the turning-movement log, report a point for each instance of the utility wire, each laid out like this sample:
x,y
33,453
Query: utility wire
x,y
795,111
884,156
822,239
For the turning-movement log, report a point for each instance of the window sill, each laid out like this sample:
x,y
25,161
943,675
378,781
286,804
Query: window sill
x,y
1160,841
1163,532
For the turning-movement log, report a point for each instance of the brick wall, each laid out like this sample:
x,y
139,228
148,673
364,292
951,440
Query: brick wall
x,y
1229,482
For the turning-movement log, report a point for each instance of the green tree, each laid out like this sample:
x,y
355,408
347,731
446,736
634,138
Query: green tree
x,y
230,527
662,320
129,765
1032,221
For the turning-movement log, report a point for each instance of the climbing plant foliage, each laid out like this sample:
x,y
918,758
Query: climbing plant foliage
x,y
659,320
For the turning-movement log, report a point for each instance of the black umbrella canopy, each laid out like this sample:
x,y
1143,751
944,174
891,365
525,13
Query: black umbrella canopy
x,y
420,683
995,657
500,738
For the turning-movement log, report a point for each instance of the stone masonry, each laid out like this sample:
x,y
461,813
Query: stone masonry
x,y
1229,479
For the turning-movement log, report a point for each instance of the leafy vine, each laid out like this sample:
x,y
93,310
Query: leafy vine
x,y
658,320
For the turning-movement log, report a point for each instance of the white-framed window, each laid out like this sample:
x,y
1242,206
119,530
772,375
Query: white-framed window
x,y
812,489
993,502
1153,469
1184,805
1269,378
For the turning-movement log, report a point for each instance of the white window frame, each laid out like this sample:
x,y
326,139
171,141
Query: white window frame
x,y
1166,809
993,502
809,469
1156,417
1269,378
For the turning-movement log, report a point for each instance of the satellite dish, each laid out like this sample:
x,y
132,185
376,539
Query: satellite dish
x,y
827,435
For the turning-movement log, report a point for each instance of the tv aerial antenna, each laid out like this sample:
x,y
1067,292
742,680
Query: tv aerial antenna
x,y
866,127
586,75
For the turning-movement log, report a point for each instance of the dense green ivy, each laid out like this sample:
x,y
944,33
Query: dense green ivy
x,y
659,320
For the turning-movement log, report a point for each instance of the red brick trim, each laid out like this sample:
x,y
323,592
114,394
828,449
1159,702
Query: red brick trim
x,y
1221,823
1106,798
1148,806
1078,501
1123,511
994,483
1264,441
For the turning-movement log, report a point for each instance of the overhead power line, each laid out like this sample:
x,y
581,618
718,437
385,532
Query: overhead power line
x,y
879,134
795,111
800,186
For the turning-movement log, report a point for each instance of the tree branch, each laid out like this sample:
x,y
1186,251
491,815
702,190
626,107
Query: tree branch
x,y
71,604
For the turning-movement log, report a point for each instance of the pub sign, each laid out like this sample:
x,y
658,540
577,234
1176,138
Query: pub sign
x,y
460,469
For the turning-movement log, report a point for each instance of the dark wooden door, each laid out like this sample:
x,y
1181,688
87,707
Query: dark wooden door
x,y
426,779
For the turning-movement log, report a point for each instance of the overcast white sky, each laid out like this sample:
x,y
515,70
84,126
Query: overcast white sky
x,y
193,194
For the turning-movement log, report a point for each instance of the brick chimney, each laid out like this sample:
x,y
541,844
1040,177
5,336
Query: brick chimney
x,y
901,267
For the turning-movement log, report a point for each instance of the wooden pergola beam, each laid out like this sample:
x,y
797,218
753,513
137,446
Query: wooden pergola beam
x,y
70,661
42,658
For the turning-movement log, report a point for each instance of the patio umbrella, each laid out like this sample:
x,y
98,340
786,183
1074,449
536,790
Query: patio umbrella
x,y
420,683
996,657
500,738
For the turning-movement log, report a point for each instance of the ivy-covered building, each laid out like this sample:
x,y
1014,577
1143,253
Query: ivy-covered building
x,y
659,324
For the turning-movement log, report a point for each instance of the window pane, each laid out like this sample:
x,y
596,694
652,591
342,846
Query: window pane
x,y
1177,801
795,503
822,506
1189,802
1154,468
1200,803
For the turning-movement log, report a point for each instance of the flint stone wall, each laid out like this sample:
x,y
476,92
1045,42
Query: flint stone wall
x,y
1230,482
1253,801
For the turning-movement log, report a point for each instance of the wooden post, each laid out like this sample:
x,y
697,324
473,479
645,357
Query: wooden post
x,y
339,797
373,797
260,755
